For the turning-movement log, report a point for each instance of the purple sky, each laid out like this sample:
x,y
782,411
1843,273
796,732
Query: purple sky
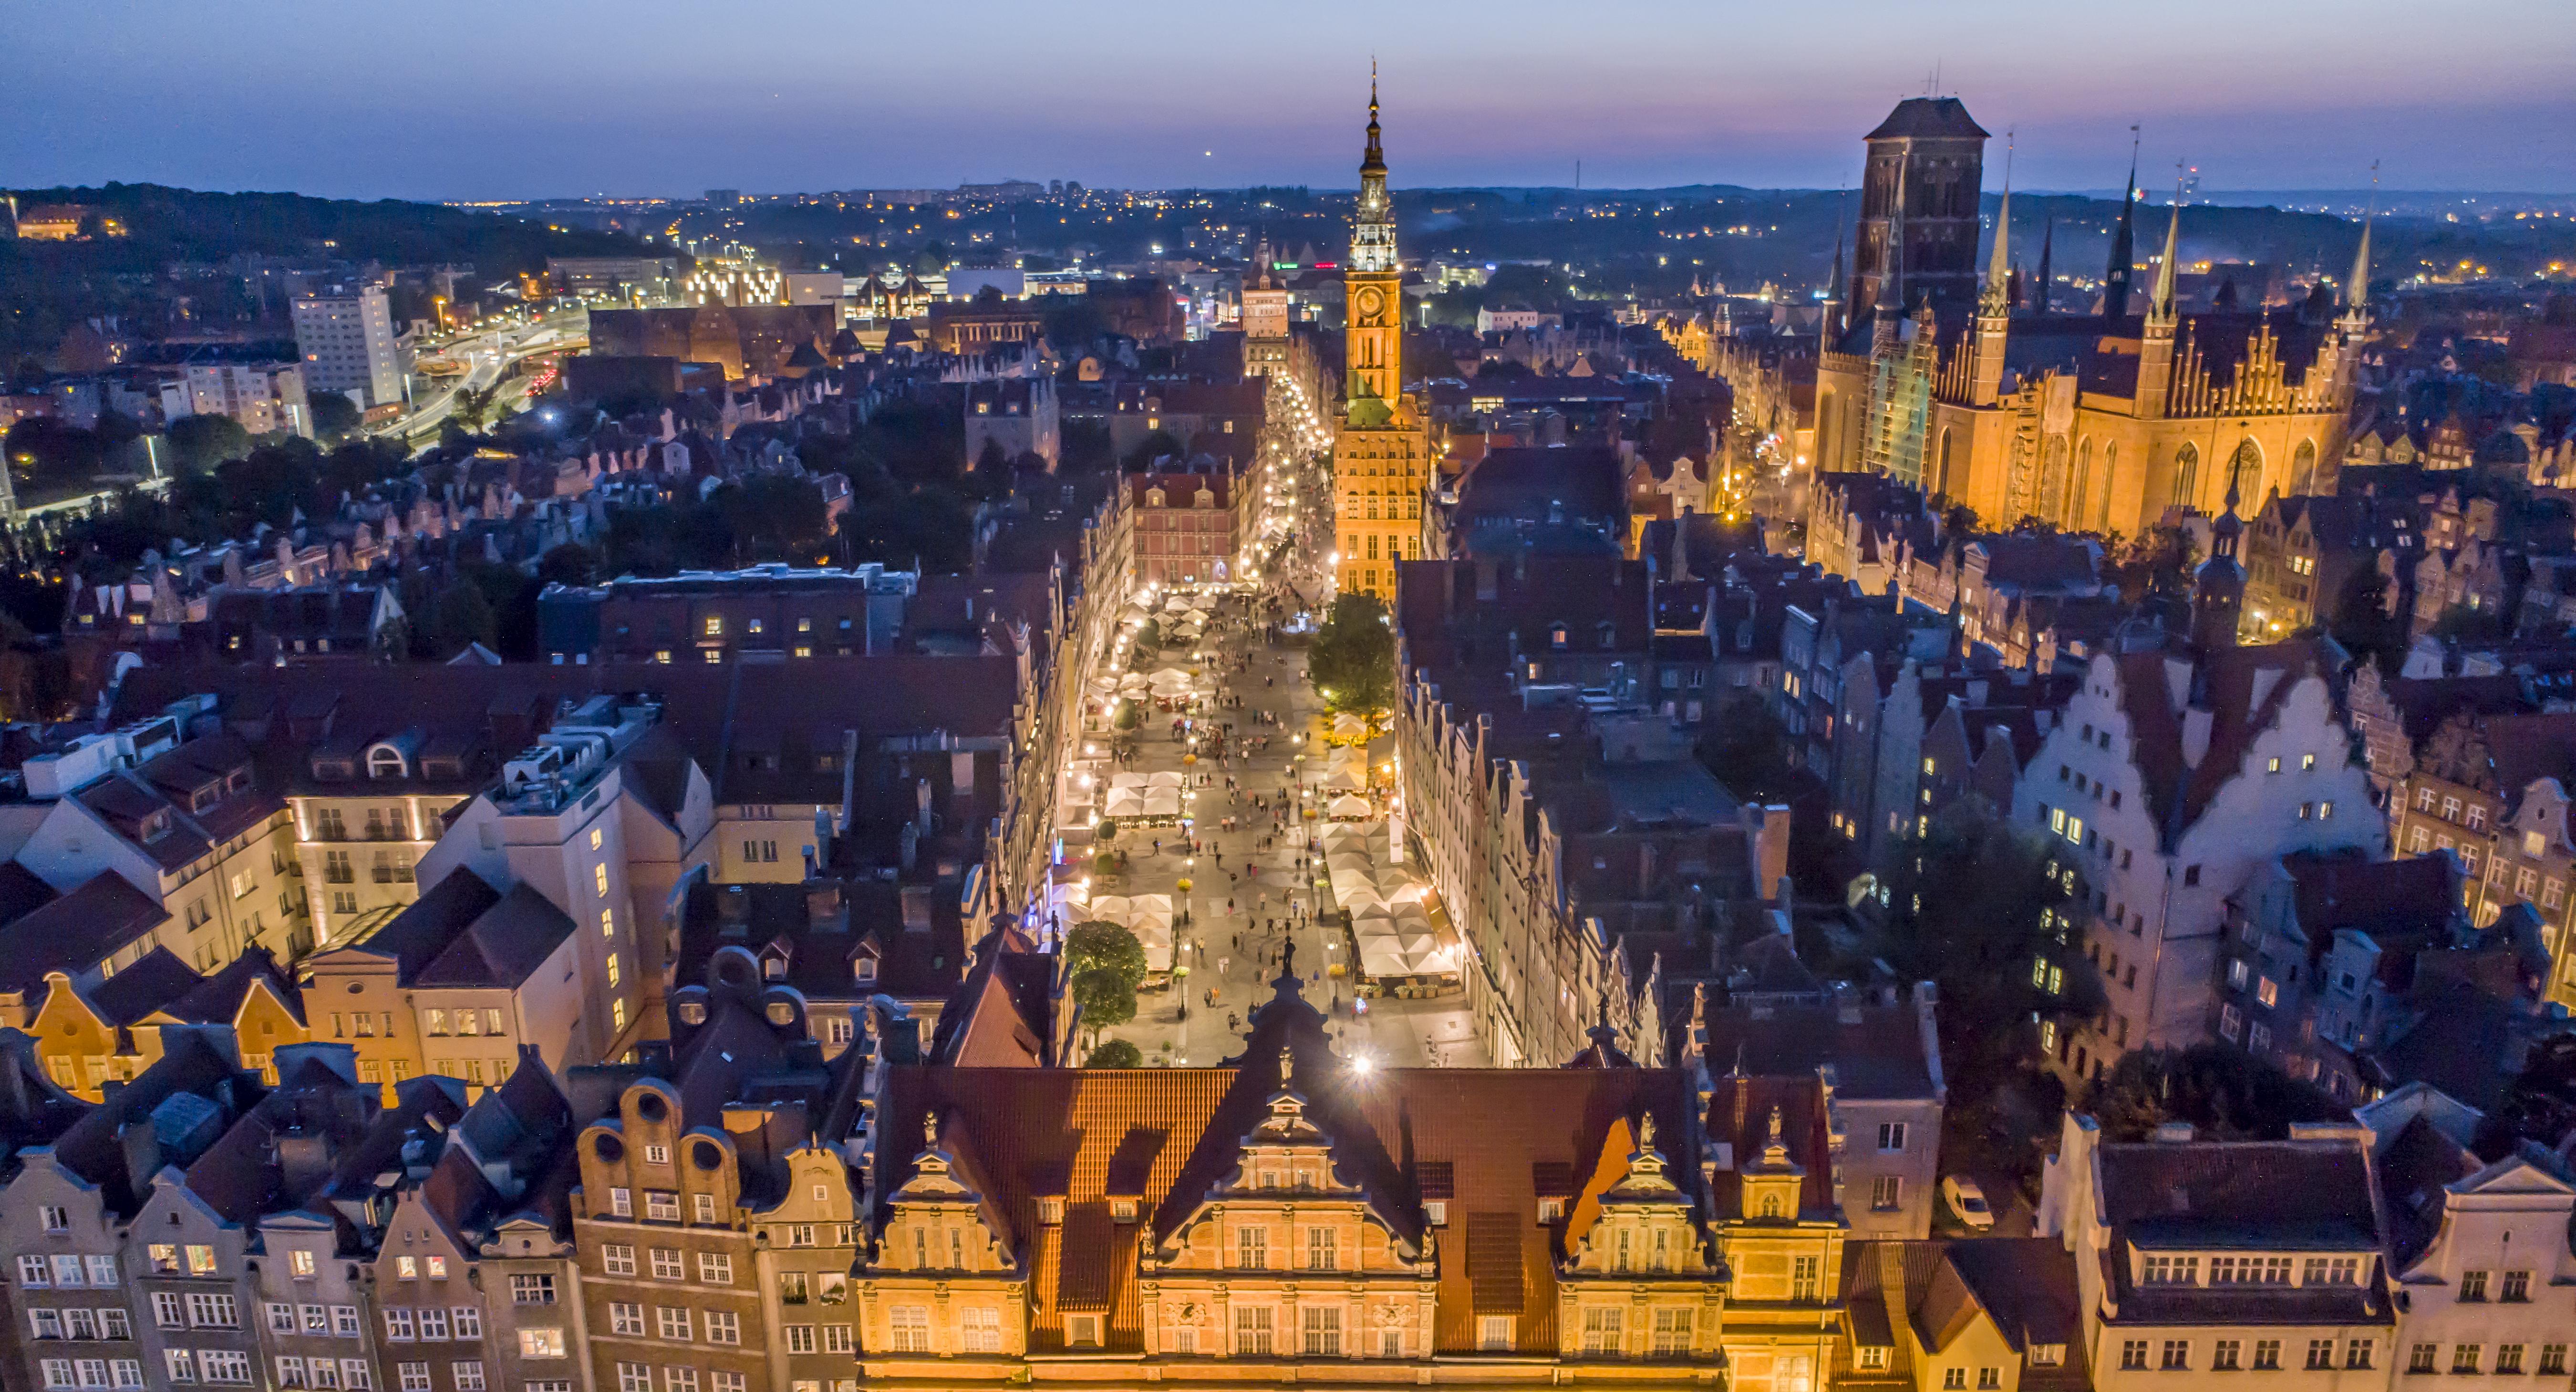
x,y
485,100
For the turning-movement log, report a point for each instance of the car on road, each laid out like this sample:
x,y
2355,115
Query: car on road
x,y
1968,1202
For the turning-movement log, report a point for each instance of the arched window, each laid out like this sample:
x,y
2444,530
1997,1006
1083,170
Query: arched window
x,y
2186,489
2303,467
384,761
2245,474
1771,1205
2075,514
2102,486
1941,472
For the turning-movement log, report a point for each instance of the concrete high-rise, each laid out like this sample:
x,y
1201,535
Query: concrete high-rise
x,y
347,343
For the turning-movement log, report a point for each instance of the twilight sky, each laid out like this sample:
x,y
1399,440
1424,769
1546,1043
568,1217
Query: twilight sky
x,y
483,99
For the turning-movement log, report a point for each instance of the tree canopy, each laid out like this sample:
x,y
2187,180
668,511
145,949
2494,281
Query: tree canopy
x,y
1352,659
2224,1092
1097,944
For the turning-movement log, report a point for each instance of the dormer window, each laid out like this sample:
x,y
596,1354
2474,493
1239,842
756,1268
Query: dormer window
x,y
1436,1212
1122,1210
866,970
1550,1210
1051,1209
774,969
714,626
385,761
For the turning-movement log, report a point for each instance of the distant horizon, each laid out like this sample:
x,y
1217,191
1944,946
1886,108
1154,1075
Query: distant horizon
x,y
574,94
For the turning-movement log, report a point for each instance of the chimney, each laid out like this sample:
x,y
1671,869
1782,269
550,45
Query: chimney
x,y
823,905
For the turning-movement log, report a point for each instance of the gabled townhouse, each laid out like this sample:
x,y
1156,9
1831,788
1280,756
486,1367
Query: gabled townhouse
x,y
2307,557
840,943
176,812
2202,1258
86,1287
1880,1062
684,1159
2493,791
2174,774
2320,951
1998,1313
2478,1249
112,1030
457,984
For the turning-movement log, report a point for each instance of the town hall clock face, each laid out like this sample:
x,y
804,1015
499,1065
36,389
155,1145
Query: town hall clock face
x,y
1372,302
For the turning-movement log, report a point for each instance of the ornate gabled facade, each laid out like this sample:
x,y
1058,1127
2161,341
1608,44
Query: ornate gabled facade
x,y
1296,1215
2092,422
1286,1210
944,1264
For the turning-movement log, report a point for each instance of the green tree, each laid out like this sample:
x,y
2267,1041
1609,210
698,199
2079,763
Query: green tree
x,y
2223,1091
1158,444
473,405
463,615
1117,1053
1977,906
1106,1000
1746,748
568,564
1352,659
335,416
199,443
1099,945
2539,1104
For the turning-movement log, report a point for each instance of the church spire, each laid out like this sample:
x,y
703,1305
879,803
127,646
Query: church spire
x,y
1997,300
1831,327
2356,291
2047,244
1373,161
2160,306
2124,241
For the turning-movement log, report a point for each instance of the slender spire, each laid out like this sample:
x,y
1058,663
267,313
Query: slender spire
x,y
1997,300
2161,304
2047,244
1374,161
1830,328
2356,291
2124,241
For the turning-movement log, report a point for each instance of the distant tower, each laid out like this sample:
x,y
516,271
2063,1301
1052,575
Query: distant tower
x,y
1374,284
2218,590
2124,247
1918,209
2047,277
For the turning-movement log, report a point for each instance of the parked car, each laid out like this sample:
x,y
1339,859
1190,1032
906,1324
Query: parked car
x,y
1968,1202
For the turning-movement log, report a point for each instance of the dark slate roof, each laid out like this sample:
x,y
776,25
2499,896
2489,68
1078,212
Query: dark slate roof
x,y
502,945
77,931
1876,1050
143,987
1919,118
425,927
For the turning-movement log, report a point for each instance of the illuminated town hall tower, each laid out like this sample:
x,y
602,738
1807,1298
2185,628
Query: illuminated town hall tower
x,y
1381,454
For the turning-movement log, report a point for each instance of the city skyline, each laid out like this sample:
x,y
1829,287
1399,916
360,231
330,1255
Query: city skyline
x,y
565,102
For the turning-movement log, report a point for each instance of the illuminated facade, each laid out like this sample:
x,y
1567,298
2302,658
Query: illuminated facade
x,y
1383,451
2095,422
